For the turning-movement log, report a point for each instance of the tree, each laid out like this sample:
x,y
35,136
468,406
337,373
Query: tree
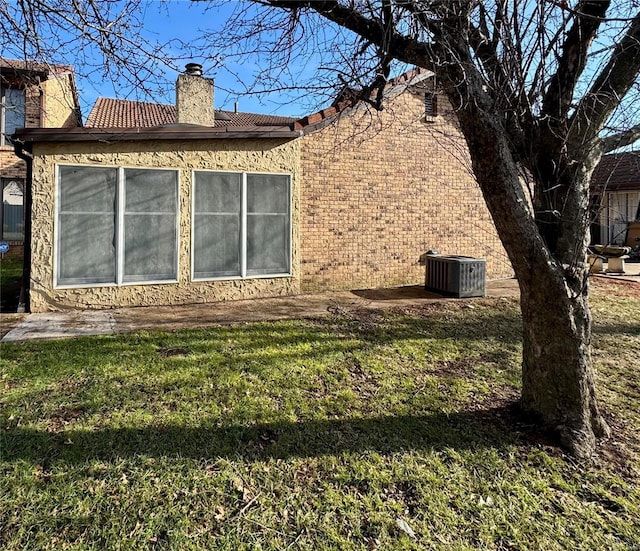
x,y
537,86
542,89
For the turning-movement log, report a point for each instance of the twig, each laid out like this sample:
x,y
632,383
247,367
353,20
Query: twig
x,y
294,541
249,504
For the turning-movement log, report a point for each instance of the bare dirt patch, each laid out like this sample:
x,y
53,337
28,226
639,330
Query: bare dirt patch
x,y
615,287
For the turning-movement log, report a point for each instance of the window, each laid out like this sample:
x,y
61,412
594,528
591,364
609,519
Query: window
x,y
241,225
12,213
12,112
116,225
621,208
430,106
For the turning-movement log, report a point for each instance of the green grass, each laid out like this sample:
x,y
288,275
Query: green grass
x,y
311,435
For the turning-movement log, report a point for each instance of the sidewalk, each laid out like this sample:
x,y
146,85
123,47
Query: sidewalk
x,y
55,325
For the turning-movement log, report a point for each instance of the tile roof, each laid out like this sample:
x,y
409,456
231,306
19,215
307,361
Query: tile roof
x,y
117,113
618,171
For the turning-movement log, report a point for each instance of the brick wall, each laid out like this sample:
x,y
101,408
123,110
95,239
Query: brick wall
x,y
58,107
10,165
381,189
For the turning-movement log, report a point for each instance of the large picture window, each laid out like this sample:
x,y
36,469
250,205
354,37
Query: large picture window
x,y
241,225
116,225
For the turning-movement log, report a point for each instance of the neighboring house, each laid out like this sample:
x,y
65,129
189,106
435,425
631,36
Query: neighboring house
x,y
615,197
156,204
32,95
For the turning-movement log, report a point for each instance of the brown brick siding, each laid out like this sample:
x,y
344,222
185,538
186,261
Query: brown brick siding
x,y
380,190
10,165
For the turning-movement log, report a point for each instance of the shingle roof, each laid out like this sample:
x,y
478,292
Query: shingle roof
x,y
618,171
117,113
33,66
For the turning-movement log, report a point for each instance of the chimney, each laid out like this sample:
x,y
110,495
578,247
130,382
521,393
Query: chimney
x,y
194,97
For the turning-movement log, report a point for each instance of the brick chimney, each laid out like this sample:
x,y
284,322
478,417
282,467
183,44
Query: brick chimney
x,y
194,97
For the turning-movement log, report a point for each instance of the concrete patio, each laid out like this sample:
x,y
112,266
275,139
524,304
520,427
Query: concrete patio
x,y
76,323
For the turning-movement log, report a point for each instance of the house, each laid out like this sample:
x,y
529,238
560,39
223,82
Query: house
x,y
33,95
615,188
155,204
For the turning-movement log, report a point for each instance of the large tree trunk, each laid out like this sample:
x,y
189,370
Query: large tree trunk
x,y
558,380
557,375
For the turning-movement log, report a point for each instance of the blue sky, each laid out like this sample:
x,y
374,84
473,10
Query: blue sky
x,y
185,20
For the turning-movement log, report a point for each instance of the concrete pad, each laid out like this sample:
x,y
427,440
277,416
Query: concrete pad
x,y
71,323
56,325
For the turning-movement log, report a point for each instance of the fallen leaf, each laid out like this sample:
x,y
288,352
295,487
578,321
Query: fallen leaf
x,y
404,527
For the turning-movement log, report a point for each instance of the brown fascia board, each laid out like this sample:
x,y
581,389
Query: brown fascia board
x,y
166,132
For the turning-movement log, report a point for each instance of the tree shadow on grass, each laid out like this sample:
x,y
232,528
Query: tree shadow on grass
x,y
632,328
487,428
311,340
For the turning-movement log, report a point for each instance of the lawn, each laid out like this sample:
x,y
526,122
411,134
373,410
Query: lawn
x,y
366,430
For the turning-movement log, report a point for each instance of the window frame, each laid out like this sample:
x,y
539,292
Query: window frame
x,y
4,182
119,229
4,140
243,227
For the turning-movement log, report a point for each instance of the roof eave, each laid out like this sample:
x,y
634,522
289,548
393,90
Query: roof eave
x,y
109,135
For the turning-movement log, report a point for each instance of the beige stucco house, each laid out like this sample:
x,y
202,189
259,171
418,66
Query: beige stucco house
x,y
154,204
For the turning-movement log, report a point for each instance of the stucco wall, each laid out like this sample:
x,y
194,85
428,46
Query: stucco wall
x,y
381,189
229,155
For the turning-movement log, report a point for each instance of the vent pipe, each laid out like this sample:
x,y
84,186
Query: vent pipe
x,y
194,69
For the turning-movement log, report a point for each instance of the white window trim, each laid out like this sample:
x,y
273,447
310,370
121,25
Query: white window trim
x,y
120,195
243,227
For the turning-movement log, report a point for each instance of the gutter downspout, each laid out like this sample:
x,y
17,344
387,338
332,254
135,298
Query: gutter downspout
x,y
27,157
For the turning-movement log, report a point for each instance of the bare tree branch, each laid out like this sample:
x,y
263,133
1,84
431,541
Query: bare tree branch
x,y
588,15
611,85
621,139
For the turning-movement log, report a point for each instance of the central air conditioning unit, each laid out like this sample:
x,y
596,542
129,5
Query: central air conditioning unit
x,y
457,276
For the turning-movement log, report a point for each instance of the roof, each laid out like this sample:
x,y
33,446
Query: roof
x,y
323,117
22,66
118,113
617,172
113,120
